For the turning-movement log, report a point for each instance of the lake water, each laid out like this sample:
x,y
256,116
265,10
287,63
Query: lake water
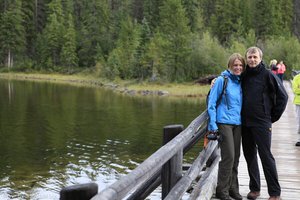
x,y
56,135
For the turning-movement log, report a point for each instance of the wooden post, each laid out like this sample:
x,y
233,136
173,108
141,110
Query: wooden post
x,y
171,170
79,192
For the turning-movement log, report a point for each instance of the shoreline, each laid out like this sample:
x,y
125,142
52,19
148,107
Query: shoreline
x,y
189,90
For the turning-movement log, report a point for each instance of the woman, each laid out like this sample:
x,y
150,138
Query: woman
x,y
273,66
225,118
281,69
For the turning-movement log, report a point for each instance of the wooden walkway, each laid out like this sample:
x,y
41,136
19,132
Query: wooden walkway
x,y
287,156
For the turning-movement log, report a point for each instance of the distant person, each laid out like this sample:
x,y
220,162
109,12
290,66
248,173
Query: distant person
x,y
296,90
281,69
273,66
264,101
224,110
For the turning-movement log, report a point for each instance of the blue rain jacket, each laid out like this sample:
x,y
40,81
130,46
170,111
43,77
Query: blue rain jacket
x,y
229,109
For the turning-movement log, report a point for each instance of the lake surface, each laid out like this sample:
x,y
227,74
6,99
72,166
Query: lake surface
x,y
56,135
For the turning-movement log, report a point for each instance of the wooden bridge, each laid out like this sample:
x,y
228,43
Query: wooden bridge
x,y
164,167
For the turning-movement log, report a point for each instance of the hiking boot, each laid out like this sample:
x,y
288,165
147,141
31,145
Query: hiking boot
x,y
297,144
235,196
253,195
274,198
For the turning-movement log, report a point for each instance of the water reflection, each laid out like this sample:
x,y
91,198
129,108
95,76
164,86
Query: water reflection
x,y
54,135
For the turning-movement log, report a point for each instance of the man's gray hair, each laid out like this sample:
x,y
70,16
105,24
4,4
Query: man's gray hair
x,y
254,50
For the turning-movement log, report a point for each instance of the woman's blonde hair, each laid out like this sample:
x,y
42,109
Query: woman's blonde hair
x,y
273,62
235,56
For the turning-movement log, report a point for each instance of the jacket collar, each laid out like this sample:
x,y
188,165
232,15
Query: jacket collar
x,y
255,70
229,74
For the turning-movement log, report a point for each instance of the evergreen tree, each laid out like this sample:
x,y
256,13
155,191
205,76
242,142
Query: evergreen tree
x,y
177,35
276,16
247,17
95,32
142,69
224,21
194,14
125,52
138,38
137,10
68,55
28,9
151,12
152,61
41,14
4,5
208,9
265,19
12,34
53,35
208,56
287,16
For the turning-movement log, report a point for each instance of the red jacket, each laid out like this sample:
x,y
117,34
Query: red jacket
x,y
281,68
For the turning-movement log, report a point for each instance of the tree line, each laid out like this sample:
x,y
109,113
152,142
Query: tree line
x,y
155,40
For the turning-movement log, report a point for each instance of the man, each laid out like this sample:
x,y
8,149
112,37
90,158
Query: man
x,y
296,90
264,100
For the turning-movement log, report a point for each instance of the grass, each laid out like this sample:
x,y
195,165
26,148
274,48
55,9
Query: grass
x,y
173,89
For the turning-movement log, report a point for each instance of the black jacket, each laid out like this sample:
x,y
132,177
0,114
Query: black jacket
x,y
264,97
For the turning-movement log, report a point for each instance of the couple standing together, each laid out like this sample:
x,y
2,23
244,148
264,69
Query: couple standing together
x,y
254,98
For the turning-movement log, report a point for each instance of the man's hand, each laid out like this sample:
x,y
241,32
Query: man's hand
x,y
213,82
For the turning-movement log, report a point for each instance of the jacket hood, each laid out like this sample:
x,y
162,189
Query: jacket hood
x,y
230,75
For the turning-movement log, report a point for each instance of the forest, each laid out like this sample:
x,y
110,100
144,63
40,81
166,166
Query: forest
x,y
144,40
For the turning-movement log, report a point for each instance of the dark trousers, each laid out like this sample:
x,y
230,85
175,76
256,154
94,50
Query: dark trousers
x,y
230,146
259,138
280,76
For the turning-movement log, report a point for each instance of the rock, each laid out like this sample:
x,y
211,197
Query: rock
x,y
162,93
206,79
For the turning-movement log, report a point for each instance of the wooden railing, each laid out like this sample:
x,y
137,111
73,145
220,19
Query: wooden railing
x,y
164,167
